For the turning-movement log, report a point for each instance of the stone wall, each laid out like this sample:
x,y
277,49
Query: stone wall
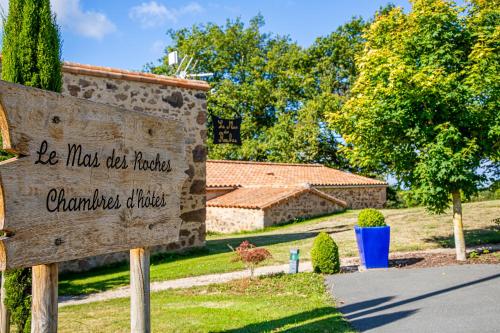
x,y
182,100
358,197
227,220
304,205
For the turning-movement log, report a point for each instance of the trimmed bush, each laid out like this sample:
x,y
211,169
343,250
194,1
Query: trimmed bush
x,y
369,217
325,254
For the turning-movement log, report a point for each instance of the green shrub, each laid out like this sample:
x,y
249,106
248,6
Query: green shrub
x,y
394,198
325,254
409,198
371,218
18,298
484,195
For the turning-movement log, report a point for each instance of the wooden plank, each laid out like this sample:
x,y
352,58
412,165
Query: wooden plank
x,y
44,299
139,291
90,178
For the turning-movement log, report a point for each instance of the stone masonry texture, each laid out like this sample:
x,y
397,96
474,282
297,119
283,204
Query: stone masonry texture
x,y
228,220
358,197
302,206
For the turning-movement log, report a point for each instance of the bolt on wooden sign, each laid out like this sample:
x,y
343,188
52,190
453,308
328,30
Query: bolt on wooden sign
x,y
89,178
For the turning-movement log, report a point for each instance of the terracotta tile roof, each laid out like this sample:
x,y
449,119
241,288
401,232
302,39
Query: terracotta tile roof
x,y
239,173
265,197
113,73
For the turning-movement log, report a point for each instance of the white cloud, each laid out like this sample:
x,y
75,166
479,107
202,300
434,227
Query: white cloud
x,y
4,4
152,14
71,16
85,23
158,47
4,7
192,8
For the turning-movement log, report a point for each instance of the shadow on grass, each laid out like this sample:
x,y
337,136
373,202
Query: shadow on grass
x,y
325,319
216,246
66,288
489,235
119,272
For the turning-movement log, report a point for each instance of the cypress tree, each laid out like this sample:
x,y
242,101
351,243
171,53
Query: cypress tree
x,y
30,56
11,66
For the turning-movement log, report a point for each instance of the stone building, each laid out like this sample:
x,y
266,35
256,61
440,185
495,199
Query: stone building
x,y
174,98
254,195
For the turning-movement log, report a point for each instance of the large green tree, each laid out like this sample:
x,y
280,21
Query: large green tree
x,y
280,89
331,71
425,105
30,56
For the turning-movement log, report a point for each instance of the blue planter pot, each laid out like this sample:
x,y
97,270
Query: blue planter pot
x,y
373,246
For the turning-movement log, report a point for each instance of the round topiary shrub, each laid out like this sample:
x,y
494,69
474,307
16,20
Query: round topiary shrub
x,y
325,254
371,218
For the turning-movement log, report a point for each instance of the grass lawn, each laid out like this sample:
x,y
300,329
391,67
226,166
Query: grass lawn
x,y
291,303
411,229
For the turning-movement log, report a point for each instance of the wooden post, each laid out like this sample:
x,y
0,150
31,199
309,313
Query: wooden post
x,y
44,306
4,312
139,291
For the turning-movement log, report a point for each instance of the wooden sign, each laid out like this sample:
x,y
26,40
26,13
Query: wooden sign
x,y
227,130
90,178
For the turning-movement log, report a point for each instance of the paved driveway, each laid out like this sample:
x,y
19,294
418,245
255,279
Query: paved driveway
x,y
454,299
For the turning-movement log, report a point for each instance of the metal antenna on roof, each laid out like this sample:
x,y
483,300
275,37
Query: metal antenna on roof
x,y
182,70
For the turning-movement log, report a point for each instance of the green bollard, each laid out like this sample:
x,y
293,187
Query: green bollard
x,y
294,261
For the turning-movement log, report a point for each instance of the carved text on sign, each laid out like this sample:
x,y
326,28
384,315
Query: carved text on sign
x,y
98,180
57,201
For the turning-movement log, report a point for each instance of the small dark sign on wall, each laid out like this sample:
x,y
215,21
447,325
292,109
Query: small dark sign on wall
x,y
227,130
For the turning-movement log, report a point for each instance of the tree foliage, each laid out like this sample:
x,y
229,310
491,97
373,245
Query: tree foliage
x,y
281,90
251,255
30,56
425,104
31,46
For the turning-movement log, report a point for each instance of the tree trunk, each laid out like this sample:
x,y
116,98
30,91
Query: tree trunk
x,y
458,227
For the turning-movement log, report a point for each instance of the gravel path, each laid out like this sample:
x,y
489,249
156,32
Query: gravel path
x,y
347,265
180,283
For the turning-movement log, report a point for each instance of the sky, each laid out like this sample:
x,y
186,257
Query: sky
x,y
129,34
